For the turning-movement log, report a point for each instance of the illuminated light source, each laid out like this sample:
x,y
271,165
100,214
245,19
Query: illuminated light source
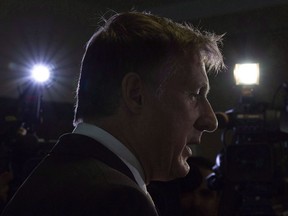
x,y
40,73
247,74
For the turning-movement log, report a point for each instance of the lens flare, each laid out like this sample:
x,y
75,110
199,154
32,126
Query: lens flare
x,y
40,73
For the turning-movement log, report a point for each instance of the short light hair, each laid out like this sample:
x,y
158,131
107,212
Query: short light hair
x,y
141,43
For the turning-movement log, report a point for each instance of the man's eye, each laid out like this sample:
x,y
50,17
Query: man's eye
x,y
198,94
195,96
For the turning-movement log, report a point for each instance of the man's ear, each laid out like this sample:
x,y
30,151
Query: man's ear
x,y
132,92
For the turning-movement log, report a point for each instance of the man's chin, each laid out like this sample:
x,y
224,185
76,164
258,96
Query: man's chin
x,y
179,171
182,171
186,168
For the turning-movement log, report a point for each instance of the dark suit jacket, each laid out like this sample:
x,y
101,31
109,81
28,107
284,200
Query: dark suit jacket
x,y
80,177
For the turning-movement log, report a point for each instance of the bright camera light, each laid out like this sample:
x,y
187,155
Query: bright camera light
x,y
40,73
247,74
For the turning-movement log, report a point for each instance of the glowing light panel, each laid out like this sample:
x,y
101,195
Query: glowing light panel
x,y
40,73
247,74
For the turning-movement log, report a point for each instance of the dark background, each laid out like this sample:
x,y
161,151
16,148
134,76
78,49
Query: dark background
x,y
55,32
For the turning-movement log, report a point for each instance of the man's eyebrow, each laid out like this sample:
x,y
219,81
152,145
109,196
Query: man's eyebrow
x,y
205,87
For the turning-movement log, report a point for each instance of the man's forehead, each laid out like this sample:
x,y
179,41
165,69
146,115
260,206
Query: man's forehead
x,y
198,76
197,71
190,70
193,75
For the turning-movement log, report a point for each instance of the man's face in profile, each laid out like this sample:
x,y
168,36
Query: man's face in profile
x,y
176,119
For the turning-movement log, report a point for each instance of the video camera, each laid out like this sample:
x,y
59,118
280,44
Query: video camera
x,y
252,168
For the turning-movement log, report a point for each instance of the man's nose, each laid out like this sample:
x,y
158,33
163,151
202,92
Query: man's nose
x,y
207,120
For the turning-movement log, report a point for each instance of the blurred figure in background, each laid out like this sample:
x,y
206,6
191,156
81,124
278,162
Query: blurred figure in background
x,y
189,195
5,179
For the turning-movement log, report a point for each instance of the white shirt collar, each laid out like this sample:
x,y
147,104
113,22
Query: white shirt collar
x,y
116,147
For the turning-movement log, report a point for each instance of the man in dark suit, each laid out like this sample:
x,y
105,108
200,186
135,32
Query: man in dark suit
x,y
141,100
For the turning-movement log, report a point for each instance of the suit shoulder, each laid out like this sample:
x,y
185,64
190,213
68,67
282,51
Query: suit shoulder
x,y
120,200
